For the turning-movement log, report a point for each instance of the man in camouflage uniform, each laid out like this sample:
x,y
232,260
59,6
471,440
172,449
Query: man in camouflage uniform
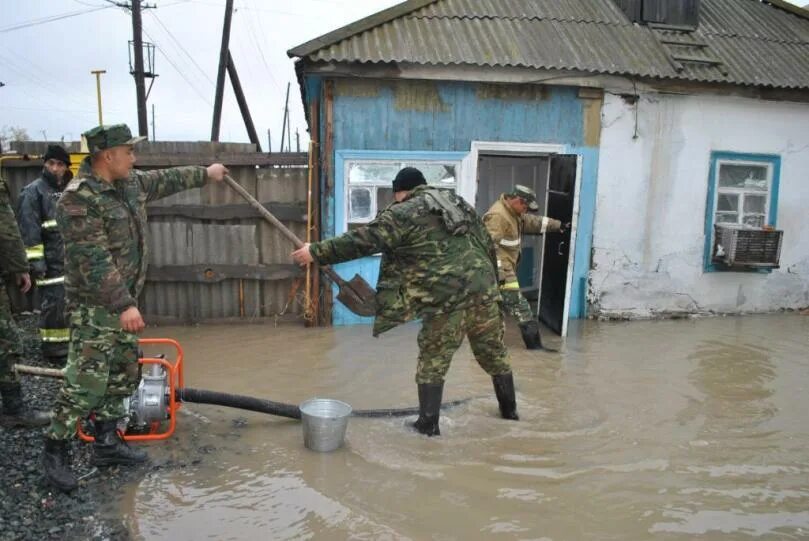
x,y
102,219
507,220
36,215
12,265
438,264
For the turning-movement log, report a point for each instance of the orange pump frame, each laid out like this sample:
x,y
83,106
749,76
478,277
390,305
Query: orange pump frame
x,y
176,381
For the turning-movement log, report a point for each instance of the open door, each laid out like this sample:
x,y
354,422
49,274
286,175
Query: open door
x,y
498,174
556,256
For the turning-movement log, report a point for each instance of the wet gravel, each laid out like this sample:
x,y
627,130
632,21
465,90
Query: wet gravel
x,y
29,507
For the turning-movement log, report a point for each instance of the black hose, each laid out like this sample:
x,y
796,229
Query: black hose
x,y
202,396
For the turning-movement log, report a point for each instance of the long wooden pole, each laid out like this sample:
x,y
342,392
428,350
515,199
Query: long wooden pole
x,y
220,77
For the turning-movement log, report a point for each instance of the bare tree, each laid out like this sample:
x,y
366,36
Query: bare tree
x,y
10,134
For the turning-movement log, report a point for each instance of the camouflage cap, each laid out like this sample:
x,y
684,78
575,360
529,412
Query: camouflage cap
x,y
526,193
104,137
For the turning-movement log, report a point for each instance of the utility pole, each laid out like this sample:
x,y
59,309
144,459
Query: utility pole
x,y
289,129
220,77
154,138
284,122
240,99
140,85
269,141
298,139
98,74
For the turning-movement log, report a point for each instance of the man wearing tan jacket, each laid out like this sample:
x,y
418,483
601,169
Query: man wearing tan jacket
x,y
507,220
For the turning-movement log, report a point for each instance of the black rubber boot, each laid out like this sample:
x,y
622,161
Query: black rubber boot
x,y
15,414
56,465
504,390
530,335
110,449
429,408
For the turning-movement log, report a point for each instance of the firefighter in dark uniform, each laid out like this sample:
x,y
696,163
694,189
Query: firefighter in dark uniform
x,y
36,215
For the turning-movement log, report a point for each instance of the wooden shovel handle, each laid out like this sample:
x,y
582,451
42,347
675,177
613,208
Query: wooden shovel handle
x,y
267,215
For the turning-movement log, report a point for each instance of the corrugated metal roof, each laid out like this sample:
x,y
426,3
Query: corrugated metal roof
x,y
742,42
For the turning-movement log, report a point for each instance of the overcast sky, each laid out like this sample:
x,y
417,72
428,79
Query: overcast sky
x,y
46,56
49,89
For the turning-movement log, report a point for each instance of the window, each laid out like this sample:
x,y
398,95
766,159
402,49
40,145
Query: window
x,y
368,190
742,191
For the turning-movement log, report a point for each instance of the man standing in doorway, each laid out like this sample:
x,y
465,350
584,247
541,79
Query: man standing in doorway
x,y
13,265
36,215
102,218
438,264
507,220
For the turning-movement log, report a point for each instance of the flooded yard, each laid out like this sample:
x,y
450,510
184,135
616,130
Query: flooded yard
x,y
663,430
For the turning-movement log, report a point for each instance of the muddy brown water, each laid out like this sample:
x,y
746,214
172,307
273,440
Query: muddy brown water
x,y
643,430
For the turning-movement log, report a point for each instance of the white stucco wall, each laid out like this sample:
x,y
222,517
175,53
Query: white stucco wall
x,y
648,239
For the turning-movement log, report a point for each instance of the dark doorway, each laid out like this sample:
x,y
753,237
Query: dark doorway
x,y
497,174
561,188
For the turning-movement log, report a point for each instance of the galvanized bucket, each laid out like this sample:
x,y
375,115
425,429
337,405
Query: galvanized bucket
x,y
324,423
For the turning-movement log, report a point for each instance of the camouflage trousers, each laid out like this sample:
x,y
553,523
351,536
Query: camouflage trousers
x,y
441,336
10,344
516,305
101,370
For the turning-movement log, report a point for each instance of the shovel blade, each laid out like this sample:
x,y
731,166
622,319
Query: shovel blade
x,y
358,296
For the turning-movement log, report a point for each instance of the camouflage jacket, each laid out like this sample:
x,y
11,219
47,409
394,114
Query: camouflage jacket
x,y
36,215
104,226
507,228
436,256
12,250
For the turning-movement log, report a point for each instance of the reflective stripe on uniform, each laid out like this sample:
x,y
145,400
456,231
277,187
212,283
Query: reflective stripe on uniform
x,y
55,335
35,252
49,224
510,243
511,285
544,227
51,281
499,264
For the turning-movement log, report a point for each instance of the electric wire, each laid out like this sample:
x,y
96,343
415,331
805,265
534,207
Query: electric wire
x,y
177,69
27,71
50,19
261,50
183,49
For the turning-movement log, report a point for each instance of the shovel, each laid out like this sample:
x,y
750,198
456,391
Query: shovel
x,y
356,293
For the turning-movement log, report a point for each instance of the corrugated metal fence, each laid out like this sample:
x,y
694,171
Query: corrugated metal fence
x,y
212,257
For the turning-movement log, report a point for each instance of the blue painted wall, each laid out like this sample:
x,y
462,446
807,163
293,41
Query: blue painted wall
x,y
445,117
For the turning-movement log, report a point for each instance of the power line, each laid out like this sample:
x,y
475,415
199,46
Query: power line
x,y
50,19
178,70
253,32
25,69
183,49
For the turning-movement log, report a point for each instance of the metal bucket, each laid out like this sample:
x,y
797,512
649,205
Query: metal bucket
x,y
324,423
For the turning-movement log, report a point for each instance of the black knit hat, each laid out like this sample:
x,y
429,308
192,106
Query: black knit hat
x,y
55,152
407,179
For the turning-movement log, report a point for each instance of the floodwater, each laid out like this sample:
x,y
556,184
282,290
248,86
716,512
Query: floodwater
x,y
643,430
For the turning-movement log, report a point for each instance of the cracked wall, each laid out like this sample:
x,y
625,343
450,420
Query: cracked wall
x,y
649,234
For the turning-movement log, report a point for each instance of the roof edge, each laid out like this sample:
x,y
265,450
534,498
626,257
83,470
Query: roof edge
x,y
386,15
792,8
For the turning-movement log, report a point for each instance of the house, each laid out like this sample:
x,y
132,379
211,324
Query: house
x,y
644,122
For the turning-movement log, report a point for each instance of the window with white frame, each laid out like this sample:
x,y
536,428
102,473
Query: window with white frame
x,y
368,184
742,192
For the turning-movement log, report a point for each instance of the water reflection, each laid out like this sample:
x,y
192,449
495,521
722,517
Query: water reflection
x,y
663,430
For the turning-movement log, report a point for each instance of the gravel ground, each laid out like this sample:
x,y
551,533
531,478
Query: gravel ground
x,y
29,508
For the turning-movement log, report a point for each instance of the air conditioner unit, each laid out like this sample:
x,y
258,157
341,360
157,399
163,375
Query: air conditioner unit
x,y
740,246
